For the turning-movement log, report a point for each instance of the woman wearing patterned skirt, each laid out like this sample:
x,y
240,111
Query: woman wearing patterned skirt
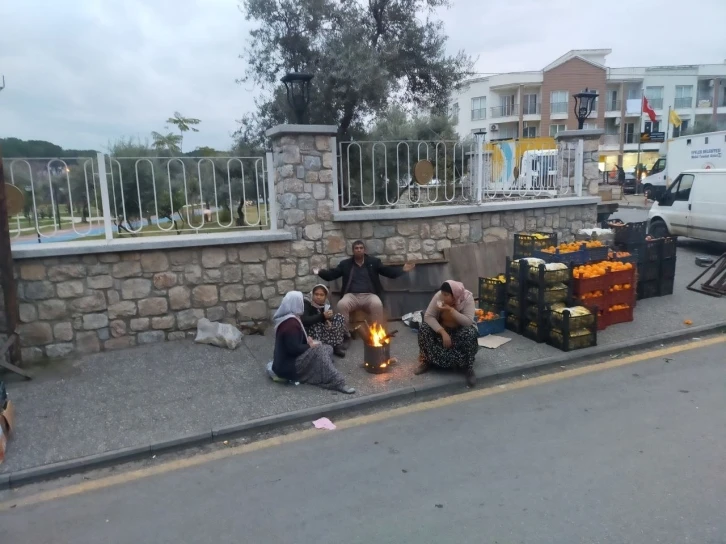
x,y
448,336
321,323
297,356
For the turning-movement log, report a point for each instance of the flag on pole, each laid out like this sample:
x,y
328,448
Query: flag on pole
x,y
647,109
674,118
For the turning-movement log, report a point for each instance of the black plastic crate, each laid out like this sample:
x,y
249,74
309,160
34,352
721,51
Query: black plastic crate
x,y
567,343
562,338
669,247
540,296
542,276
628,232
646,251
526,244
514,324
668,268
666,287
648,289
537,330
492,289
649,271
597,254
557,320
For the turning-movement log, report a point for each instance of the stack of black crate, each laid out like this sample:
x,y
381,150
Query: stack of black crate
x,y
655,259
529,298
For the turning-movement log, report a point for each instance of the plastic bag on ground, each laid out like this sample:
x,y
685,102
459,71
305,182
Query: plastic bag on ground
x,y
218,334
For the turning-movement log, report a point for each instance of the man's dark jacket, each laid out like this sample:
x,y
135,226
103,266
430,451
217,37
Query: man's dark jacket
x,y
371,264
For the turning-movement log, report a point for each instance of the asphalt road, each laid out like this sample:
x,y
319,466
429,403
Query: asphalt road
x,y
626,452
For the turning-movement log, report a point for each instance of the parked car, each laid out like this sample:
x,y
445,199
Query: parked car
x,y
692,206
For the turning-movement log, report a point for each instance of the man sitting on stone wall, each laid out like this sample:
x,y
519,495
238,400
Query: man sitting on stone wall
x,y
362,289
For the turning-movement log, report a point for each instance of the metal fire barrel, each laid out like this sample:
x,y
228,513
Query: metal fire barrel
x,y
376,359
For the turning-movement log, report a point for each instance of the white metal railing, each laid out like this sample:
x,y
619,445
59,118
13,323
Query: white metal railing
x,y
109,197
380,174
375,175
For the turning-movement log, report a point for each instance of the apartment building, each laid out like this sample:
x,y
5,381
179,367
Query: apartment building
x,y
540,103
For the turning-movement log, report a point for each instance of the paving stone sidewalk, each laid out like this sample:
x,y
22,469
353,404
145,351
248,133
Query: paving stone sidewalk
x,y
143,395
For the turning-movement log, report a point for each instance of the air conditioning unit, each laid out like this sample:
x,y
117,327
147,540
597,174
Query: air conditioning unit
x,y
493,126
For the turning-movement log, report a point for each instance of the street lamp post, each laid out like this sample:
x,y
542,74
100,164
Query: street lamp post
x,y
297,85
480,138
584,103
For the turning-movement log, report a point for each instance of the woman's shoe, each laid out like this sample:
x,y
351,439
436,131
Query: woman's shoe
x,y
470,378
347,390
422,368
338,351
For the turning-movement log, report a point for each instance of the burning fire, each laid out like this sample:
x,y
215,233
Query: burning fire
x,y
378,336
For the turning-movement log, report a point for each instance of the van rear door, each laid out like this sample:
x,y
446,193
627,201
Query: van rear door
x,y
706,218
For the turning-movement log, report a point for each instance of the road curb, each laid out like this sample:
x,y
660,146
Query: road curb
x,y
447,383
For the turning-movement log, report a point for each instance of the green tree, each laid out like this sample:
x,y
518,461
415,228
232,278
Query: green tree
x,y
167,142
365,58
700,127
183,124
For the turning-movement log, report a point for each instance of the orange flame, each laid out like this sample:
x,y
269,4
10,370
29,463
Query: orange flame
x,y
378,336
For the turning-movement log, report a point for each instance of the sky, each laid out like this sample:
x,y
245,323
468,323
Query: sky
x,y
84,73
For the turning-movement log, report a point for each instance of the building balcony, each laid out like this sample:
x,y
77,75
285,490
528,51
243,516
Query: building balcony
x,y
613,106
631,138
508,110
683,103
656,103
531,109
704,102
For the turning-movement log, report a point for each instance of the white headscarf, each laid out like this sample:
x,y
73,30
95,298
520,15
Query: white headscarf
x,y
291,307
311,298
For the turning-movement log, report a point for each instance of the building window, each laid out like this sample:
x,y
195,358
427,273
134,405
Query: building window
x,y
611,101
655,97
529,104
508,105
478,108
652,127
684,96
589,126
455,111
678,131
554,129
634,93
558,101
630,134
529,132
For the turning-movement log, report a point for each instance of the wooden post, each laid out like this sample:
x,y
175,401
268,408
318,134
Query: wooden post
x,y
7,275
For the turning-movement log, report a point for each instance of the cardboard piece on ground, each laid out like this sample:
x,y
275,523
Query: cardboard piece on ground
x,y
6,427
492,341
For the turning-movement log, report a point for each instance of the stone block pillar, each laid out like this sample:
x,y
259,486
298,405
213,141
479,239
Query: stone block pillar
x,y
305,170
571,165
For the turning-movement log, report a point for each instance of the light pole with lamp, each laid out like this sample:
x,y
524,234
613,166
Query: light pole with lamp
x,y
297,85
584,103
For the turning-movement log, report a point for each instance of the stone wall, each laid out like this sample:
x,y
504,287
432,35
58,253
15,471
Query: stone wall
x,y
90,303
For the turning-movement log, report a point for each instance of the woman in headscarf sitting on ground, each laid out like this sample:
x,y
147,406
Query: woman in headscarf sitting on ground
x,y
448,335
298,357
321,323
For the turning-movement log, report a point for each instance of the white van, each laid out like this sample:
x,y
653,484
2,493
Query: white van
x,y
694,206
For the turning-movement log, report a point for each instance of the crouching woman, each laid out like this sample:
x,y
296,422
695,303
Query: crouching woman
x,y
297,356
448,334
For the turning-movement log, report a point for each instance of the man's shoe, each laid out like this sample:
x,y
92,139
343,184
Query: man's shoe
x,y
338,351
470,378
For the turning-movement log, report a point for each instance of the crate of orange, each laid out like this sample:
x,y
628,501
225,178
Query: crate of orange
x,y
620,294
620,273
593,299
573,252
489,322
618,313
588,278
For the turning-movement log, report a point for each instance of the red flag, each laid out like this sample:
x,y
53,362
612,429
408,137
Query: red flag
x,y
647,109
